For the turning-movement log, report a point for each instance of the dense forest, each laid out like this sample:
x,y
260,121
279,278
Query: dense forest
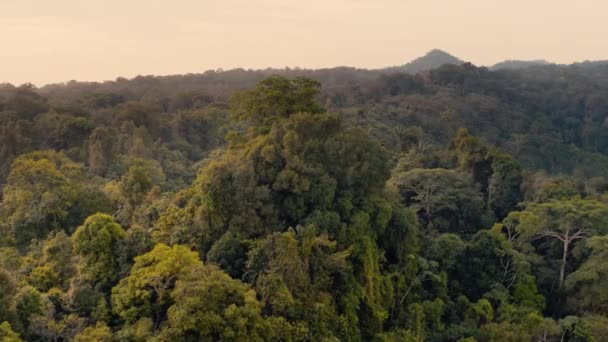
x,y
456,204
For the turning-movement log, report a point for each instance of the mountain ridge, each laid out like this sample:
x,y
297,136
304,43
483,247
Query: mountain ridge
x,y
519,64
431,60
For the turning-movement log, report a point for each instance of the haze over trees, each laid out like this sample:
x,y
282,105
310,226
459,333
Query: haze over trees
x,y
456,204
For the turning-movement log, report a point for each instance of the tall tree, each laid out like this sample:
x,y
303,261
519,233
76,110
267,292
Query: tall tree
x,y
504,184
566,221
445,199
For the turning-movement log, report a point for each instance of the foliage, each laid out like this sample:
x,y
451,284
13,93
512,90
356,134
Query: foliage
x,y
7,334
146,292
96,242
460,204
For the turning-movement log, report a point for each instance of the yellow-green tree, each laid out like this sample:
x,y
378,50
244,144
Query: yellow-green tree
x,y
146,292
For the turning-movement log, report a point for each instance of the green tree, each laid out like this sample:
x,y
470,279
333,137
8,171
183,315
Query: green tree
x,y
57,254
96,241
209,305
146,292
29,305
558,188
504,185
487,262
471,154
46,191
39,193
566,221
533,327
278,272
277,97
230,254
43,278
587,285
139,179
137,241
445,199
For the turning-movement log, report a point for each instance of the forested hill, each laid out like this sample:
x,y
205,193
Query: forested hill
x,y
457,204
549,117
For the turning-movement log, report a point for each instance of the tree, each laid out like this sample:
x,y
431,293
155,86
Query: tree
x,y
96,241
285,229
504,185
278,272
488,261
300,167
101,150
39,193
146,292
80,296
230,254
209,305
277,97
566,221
498,175
63,131
46,191
139,179
444,249
57,329
471,154
27,102
57,253
445,199
7,334
189,100
99,333
593,327
137,241
43,278
558,188
587,285
533,327
295,274
8,288
29,305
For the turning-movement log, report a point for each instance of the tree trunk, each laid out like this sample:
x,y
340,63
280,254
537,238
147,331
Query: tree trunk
x,y
427,209
562,269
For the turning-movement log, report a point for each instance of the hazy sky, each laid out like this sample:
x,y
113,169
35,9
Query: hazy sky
x,y
43,41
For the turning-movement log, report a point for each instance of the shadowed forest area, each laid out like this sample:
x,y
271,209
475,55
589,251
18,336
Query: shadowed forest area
x,y
456,204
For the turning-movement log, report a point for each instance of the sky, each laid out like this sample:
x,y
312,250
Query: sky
x,y
44,41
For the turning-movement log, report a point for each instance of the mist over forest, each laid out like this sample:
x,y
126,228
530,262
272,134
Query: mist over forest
x,y
433,201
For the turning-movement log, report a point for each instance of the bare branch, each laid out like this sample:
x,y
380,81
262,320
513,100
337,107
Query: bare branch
x,y
580,234
549,233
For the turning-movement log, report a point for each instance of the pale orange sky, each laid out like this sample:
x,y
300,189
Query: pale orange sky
x,y
44,41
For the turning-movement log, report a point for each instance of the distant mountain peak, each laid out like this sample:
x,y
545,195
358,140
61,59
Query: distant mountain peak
x,y
431,60
438,52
